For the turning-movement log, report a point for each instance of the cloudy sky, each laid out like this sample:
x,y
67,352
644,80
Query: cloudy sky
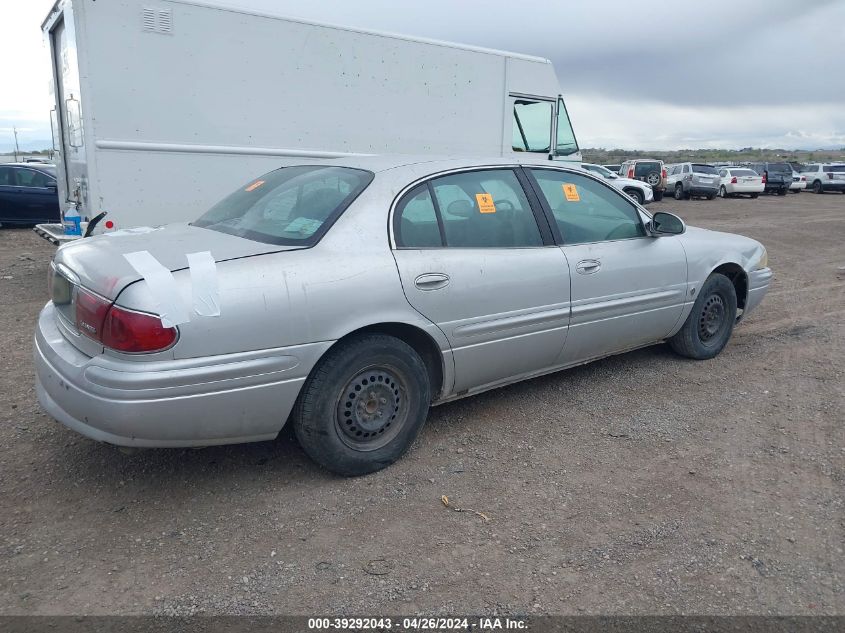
x,y
636,75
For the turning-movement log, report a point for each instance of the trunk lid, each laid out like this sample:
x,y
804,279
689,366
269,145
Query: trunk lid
x,y
99,265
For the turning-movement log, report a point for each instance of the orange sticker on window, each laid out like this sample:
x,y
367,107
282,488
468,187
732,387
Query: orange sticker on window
x,y
571,192
485,203
254,185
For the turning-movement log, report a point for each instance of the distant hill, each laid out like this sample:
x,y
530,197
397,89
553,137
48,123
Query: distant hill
x,y
614,156
25,146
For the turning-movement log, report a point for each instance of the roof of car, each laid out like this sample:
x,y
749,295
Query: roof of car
x,y
383,162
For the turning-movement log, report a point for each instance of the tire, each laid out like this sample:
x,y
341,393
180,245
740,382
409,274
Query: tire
x,y
710,196
817,187
755,196
636,195
333,422
679,192
710,323
782,191
658,195
723,193
794,191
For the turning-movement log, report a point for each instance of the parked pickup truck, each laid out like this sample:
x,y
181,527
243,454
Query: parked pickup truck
x,y
777,177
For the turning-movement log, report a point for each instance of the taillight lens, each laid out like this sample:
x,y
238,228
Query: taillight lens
x,y
765,177
663,173
90,313
134,332
733,180
830,175
630,173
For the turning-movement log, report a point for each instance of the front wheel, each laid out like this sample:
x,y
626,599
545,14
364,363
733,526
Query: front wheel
x,y
817,186
363,405
710,322
782,192
755,195
679,192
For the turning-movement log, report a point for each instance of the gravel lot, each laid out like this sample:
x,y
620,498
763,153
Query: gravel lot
x,y
641,484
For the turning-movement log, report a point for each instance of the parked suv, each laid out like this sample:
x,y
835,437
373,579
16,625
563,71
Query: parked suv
x,y
821,178
648,170
776,176
686,180
637,189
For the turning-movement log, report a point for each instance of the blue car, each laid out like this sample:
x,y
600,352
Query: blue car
x,y
28,194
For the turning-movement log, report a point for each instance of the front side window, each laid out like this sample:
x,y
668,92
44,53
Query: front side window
x,y
7,176
32,178
686,169
478,209
566,143
532,126
587,211
290,206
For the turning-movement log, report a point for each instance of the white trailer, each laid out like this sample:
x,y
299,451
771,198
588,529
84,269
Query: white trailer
x,y
162,107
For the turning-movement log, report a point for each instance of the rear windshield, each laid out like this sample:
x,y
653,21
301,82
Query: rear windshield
x,y
704,169
839,169
645,168
292,206
780,167
743,172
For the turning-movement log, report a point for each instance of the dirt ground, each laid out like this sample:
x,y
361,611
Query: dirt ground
x,y
641,484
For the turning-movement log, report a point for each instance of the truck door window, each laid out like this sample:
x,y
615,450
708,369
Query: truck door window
x,y
566,143
532,126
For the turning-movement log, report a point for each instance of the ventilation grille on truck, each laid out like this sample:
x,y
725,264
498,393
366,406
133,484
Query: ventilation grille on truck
x,y
156,20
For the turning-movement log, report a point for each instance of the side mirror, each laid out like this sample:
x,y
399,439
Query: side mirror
x,y
663,223
612,176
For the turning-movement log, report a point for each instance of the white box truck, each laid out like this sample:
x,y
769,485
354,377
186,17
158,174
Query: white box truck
x,y
162,107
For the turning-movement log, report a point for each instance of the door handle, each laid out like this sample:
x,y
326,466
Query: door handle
x,y
431,281
588,266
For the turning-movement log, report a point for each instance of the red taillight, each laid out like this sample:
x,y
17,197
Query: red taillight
x,y
631,173
765,177
663,173
90,312
830,175
733,180
127,331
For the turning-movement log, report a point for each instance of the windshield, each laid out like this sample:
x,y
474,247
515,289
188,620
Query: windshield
x,y
704,169
780,167
289,206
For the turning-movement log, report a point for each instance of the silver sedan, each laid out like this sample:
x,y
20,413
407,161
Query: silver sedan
x,y
349,297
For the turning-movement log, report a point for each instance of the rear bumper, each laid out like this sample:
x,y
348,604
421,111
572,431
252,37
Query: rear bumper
x,y
797,186
744,189
228,399
758,286
703,190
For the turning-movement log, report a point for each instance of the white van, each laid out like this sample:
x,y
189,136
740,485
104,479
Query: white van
x,y
164,106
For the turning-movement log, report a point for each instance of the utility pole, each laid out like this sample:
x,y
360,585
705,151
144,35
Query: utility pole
x,y
15,130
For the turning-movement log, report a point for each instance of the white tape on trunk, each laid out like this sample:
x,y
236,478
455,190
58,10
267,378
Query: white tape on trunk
x,y
206,295
162,287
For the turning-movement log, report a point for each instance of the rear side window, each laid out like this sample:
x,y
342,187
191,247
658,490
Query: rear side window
x,y
290,206
836,169
587,211
32,178
479,209
7,176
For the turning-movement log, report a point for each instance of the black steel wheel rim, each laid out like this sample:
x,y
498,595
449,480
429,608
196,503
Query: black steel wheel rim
x,y
712,320
372,408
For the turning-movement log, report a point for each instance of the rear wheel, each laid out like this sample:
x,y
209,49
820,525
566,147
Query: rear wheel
x,y
782,191
755,195
817,186
635,194
658,195
679,192
710,323
363,405
723,193
710,196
